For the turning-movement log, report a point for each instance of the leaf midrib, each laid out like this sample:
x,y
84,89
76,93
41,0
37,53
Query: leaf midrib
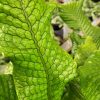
x,y
35,41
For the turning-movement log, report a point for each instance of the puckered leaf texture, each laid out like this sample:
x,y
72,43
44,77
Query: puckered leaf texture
x,y
41,67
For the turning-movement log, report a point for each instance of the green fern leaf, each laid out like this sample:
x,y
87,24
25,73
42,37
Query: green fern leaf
x,y
73,15
90,77
73,91
7,88
84,51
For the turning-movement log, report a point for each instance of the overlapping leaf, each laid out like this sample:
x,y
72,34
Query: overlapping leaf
x,y
41,67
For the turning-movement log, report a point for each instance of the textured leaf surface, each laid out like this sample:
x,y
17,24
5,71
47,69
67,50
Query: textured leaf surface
x,y
73,15
7,88
90,77
41,67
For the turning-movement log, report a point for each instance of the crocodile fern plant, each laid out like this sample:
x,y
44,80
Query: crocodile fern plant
x,y
41,69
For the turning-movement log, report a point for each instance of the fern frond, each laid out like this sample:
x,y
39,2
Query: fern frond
x,y
7,88
89,75
73,15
